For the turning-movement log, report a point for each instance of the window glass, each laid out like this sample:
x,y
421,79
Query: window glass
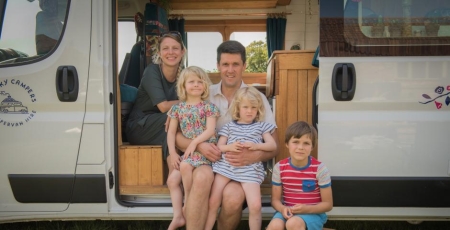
x,y
126,39
397,22
207,42
256,48
30,29
202,47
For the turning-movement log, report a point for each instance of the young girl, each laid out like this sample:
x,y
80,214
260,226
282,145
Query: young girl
x,y
197,120
245,131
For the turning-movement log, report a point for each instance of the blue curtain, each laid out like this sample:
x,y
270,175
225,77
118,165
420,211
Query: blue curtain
x,y
276,29
177,24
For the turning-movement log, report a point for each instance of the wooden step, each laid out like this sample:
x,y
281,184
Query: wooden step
x,y
141,170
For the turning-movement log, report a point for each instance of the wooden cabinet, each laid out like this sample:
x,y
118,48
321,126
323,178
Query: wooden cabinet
x,y
141,170
292,79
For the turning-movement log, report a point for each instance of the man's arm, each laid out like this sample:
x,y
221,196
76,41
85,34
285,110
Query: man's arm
x,y
209,150
247,157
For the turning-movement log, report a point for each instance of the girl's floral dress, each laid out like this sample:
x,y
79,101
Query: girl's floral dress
x,y
192,120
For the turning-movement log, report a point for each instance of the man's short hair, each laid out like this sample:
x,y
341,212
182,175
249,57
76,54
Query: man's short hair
x,y
231,47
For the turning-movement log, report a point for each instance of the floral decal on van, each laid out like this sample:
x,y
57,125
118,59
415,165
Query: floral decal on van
x,y
441,93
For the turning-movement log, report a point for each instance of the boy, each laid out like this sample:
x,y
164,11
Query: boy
x,y
301,185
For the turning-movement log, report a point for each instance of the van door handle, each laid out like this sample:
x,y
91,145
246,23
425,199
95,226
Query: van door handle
x,y
315,110
67,83
343,82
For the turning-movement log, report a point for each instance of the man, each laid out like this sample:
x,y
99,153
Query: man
x,y
231,64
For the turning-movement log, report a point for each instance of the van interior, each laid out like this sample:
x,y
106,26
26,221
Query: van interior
x,y
142,172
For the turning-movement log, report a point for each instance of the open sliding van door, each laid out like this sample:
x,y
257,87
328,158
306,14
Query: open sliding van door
x,y
384,107
45,47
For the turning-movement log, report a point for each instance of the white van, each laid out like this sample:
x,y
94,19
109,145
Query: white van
x,y
382,110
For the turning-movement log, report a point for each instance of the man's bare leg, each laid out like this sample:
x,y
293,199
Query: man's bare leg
x,y
231,211
197,202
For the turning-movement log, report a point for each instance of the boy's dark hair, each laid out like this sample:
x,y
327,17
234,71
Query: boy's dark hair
x,y
300,128
231,47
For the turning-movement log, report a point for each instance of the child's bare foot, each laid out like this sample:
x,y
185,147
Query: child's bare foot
x,y
176,223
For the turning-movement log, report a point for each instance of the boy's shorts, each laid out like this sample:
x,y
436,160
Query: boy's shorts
x,y
312,221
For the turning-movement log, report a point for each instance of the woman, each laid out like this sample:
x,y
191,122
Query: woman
x,y
156,94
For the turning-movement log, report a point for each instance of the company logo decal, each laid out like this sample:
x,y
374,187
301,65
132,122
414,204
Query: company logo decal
x,y
16,102
441,97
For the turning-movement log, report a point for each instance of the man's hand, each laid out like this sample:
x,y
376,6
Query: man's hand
x,y
210,151
245,157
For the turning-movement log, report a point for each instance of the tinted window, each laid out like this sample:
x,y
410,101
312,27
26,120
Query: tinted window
x,y
384,28
30,29
421,22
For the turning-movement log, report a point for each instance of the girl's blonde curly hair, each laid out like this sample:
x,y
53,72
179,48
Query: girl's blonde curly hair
x,y
192,71
251,94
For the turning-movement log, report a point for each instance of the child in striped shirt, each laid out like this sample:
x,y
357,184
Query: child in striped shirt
x,y
247,130
301,185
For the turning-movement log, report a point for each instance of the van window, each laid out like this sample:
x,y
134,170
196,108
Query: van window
x,y
397,22
208,36
255,43
126,39
30,29
256,49
202,48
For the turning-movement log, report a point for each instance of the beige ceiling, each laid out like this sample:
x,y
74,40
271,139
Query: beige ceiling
x,y
127,8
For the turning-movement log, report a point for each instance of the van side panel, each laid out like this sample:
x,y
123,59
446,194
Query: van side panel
x,y
387,147
45,138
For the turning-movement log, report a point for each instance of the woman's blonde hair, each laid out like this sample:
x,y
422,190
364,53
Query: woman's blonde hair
x,y
192,71
253,96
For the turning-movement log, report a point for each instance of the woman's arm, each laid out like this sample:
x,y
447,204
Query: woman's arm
x,y
166,105
208,133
